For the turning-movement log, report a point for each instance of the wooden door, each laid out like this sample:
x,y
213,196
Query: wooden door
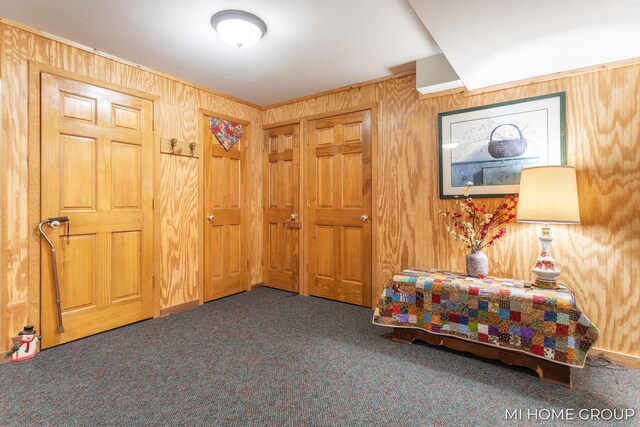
x,y
97,169
223,235
282,210
340,208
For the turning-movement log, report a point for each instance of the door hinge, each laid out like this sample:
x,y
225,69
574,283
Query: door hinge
x,y
153,203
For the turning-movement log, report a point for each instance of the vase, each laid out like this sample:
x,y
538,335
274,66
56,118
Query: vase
x,y
477,263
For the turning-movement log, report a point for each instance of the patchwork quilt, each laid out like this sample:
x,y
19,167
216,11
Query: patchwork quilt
x,y
500,312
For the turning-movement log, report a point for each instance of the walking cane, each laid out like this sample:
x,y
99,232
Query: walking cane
x,y
55,223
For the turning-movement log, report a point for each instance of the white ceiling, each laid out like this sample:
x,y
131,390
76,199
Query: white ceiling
x,y
317,45
310,45
498,41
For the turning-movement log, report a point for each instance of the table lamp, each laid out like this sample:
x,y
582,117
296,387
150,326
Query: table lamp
x,y
548,195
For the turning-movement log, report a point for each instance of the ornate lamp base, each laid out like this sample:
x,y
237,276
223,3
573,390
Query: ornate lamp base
x,y
546,268
546,285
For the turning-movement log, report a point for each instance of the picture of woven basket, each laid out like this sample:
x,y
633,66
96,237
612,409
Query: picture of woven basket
x,y
505,148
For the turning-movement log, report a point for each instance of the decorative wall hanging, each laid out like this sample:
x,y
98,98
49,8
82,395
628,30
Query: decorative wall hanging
x,y
228,133
489,145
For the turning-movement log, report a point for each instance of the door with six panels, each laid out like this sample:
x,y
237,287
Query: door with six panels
x,y
223,249
281,201
97,169
339,159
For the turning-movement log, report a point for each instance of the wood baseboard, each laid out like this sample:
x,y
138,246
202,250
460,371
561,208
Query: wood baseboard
x,y
180,307
623,359
254,286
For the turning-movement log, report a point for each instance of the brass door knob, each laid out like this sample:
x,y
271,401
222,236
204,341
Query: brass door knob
x,y
364,218
210,218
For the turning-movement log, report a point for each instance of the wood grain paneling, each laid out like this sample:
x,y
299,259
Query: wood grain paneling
x,y
179,230
3,289
178,181
600,258
179,210
15,230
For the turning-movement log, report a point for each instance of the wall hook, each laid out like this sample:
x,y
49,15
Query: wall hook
x,y
176,147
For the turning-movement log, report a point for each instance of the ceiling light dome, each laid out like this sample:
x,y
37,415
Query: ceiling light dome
x,y
239,28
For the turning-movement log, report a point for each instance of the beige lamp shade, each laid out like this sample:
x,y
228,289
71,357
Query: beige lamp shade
x,y
548,194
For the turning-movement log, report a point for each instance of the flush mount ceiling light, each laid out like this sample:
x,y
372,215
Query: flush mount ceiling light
x,y
239,28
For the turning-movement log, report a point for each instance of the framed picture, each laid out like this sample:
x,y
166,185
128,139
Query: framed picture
x,y
489,145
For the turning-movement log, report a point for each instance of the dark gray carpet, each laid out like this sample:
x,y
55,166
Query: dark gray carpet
x,y
272,358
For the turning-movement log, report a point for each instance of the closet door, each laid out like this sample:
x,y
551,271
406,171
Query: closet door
x,y
223,235
340,207
97,169
282,210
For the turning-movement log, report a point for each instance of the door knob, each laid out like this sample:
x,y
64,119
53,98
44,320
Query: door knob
x,y
364,218
210,218
293,217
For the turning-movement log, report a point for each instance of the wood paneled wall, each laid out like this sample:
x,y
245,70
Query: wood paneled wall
x,y
3,290
176,116
179,216
600,258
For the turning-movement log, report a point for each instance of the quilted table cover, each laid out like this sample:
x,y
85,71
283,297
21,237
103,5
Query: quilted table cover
x,y
500,312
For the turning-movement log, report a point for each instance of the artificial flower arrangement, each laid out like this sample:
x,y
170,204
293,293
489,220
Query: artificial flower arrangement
x,y
476,226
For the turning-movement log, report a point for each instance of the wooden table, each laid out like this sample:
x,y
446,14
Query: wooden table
x,y
496,318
